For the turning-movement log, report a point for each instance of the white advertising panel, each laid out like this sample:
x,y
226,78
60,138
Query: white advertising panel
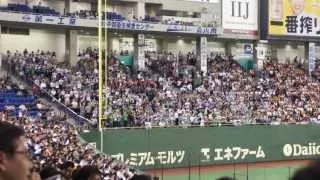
x,y
240,16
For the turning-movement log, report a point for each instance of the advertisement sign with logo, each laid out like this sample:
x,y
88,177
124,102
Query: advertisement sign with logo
x,y
168,148
141,52
312,57
262,54
240,17
123,25
294,17
192,29
43,19
248,49
299,150
129,25
203,53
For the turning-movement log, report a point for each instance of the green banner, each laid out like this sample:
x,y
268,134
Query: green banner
x,y
126,60
183,147
247,64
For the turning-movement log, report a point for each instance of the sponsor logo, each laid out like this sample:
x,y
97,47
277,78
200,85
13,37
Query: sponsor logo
x,y
26,18
240,9
295,150
178,28
49,20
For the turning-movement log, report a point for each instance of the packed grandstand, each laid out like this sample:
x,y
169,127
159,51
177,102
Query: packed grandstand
x,y
170,96
54,100
227,95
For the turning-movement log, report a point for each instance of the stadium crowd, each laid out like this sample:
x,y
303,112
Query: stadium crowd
x,y
75,87
171,91
53,143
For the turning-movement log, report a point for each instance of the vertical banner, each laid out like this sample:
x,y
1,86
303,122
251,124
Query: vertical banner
x,y
261,50
311,57
203,54
141,52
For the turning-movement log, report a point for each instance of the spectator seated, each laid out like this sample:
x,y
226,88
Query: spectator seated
x,y
75,87
148,18
26,9
87,14
17,102
114,16
172,91
51,141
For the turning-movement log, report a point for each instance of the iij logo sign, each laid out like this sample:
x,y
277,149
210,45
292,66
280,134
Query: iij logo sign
x,y
295,150
240,9
240,16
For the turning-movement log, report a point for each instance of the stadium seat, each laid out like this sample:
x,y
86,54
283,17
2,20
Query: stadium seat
x,y
10,98
44,10
114,16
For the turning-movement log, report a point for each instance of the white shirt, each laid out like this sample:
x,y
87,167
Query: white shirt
x,y
53,92
43,85
74,104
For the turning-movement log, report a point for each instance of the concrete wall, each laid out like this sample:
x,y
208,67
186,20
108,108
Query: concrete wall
x,y
57,5
216,47
77,6
87,41
126,10
184,5
5,2
119,43
38,39
285,52
317,51
182,45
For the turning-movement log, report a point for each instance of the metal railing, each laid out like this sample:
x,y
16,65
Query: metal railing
x,y
212,124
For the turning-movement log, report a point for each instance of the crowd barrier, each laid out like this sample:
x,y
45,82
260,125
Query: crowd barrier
x,y
206,146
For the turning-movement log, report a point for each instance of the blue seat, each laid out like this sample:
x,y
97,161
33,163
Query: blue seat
x,y
10,98
44,10
7,94
18,7
114,16
33,113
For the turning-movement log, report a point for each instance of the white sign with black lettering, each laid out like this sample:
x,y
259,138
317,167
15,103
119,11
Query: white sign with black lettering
x,y
203,54
240,16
